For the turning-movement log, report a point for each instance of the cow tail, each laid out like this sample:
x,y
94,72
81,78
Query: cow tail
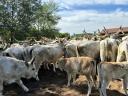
x,y
77,54
94,71
99,68
106,50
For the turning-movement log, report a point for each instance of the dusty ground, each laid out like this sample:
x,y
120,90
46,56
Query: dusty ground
x,y
54,84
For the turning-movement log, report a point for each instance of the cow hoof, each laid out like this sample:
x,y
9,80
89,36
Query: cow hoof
x,y
26,90
1,94
37,78
73,83
30,91
68,85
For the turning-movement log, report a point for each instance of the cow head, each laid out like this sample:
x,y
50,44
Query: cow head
x,y
31,70
60,63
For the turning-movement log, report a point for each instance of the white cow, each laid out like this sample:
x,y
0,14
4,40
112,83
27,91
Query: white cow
x,y
89,48
108,71
122,51
124,38
12,70
71,50
72,47
16,52
20,52
108,49
79,65
48,54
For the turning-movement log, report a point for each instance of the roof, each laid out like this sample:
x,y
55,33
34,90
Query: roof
x,y
114,30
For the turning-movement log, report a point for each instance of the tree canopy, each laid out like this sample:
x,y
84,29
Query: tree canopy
x,y
25,18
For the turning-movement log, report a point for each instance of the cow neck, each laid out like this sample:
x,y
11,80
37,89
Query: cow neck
x,y
62,45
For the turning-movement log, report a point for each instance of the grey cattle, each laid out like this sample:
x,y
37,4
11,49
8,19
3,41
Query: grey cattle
x,y
71,50
72,47
108,49
108,71
122,51
20,52
12,70
16,52
48,54
90,48
79,65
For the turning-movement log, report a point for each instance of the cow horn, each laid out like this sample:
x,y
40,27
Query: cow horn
x,y
27,64
32,60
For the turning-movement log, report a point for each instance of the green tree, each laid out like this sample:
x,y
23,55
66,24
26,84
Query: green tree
x,y
22,18
8,20
46,19
16,17
26,16
64,35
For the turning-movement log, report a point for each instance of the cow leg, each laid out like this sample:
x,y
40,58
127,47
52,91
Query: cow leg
x,y
102,55
125,85
1,88
119,55
44,65
94,82
89,87
74,77
69,79
54,68
113,56
104,84
20,83
114,53
56,65
47,66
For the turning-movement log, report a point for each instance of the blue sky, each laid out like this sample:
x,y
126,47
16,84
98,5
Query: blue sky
x,y
77,15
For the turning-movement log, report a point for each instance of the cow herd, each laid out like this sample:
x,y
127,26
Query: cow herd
x,y
100,61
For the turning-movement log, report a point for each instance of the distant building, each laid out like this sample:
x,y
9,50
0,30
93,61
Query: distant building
x,y
120,30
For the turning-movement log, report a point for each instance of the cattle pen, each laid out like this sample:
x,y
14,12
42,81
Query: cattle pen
x,y
63,47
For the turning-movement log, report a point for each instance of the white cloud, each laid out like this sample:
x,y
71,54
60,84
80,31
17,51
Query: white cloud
x,y
121,1
72,2
76,20
104,1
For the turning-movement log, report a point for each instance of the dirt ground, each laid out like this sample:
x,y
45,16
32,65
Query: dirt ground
x,y
54,84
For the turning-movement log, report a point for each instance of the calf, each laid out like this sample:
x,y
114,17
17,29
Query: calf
x,y
12,70
108,71
79,65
